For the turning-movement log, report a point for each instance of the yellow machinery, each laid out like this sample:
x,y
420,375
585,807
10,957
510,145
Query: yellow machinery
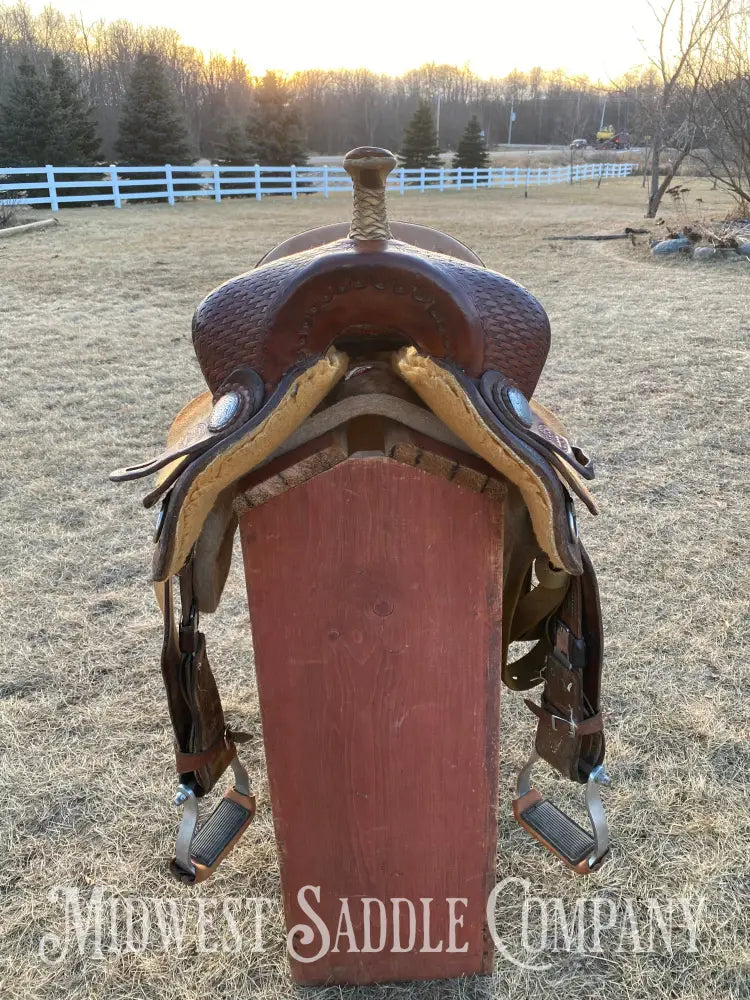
x,y
607,138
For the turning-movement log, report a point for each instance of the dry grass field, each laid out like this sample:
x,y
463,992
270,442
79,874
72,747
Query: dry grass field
x,y
536,156
649,366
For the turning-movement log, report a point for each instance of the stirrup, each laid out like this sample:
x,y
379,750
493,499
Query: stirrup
x,y
201,849
578,849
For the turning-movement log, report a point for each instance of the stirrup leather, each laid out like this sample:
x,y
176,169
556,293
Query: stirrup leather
x,y
201,848
578,849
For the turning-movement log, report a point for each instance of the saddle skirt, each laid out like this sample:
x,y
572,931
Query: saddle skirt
x,y
403,327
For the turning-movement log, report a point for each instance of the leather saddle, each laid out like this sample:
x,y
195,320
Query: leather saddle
x,y
399,336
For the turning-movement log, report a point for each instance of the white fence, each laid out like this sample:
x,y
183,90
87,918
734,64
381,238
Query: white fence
x,y
115,185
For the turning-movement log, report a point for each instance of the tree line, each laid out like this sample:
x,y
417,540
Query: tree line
x,y
118,91
337,109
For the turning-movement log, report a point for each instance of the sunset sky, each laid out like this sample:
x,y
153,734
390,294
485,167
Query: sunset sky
x,y
597,37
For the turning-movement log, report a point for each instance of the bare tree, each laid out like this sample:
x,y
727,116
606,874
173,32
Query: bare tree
x,y
687,32
725,111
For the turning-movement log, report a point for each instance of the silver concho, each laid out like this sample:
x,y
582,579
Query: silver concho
x,y
519,405
225,410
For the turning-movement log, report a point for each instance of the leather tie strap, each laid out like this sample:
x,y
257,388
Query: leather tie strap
x,y
186,762
587,727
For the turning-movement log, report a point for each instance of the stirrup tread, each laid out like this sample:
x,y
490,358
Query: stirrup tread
x,y
555,828
225,823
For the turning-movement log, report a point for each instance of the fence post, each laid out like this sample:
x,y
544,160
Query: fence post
x,y
475,178
52,189
293,181
168,180
325,180
421,180
115,185
458,178
401,181
217,183
502,177
257,182
489,177
442,178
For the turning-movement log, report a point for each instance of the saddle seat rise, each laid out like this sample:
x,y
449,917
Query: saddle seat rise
x,y
416,333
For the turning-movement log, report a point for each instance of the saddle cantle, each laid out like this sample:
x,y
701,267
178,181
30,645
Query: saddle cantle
x,y
406,327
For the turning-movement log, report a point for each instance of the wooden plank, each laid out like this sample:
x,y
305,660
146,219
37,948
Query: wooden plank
x,y
375,603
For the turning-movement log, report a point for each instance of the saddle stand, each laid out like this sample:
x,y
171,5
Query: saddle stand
x,y
406,512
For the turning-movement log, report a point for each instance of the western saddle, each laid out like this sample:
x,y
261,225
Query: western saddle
x,y
401,328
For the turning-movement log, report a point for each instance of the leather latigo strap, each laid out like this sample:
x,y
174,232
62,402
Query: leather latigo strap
x,y
569,732
204,744
243,389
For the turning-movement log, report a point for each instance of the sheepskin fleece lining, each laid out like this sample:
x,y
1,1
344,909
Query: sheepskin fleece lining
x,y
303,395
445,397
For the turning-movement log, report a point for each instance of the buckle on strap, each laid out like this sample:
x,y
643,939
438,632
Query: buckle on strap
x,y
586,727
200,849
567,649
578,849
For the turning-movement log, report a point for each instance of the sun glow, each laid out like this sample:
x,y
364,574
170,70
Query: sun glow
x,y
587,37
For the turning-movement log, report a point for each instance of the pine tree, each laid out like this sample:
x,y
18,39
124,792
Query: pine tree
x,y
275,130
234,150
152,128
419,147
44,120
76,130
234,147
27,119
472,148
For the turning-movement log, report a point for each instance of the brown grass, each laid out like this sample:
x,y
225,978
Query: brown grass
x,y
518,156
649,366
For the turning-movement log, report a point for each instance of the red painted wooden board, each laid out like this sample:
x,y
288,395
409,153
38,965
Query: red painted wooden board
x,y
375,604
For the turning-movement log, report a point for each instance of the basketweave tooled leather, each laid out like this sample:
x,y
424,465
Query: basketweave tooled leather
x,y
372,288
290,309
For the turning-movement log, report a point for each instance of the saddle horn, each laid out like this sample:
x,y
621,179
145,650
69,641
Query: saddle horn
x,y
368,167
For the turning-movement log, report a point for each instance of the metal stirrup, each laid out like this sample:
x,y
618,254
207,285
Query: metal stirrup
x,y
577,848
200,849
